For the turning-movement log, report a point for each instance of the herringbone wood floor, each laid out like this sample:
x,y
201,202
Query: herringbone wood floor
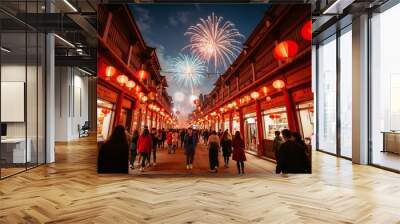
x,y
70,191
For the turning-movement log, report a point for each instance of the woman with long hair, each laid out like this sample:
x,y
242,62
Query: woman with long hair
x,y
213,148
144,147
114,153
226,144
238,152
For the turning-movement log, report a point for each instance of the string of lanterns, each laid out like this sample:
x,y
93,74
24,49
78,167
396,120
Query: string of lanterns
x,y
283,50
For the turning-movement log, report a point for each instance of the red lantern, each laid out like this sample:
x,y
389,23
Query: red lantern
x,y
254,95
105,111
274,116
122,79
110,71
142,74
278,84
285,49
130,84
306,31
138,89
144,98
265,90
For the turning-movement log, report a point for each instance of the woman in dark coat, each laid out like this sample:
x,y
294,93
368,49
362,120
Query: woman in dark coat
x,y
213,148
226,144
114,153
133,147
238,152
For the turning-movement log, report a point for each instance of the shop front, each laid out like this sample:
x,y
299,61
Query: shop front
x,y
250,129
106,105
274,119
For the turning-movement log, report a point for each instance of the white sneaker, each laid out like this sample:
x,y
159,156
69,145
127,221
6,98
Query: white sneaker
x,y
187,167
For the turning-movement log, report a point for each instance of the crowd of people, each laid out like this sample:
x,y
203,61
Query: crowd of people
x,y
140,149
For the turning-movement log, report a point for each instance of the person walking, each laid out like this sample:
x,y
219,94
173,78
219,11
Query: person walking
x,y
238,152
163,137
144,147
169,141
159,139
133,148
174,141
114,153
182,135
276,143
298,139
153,151
205,136
190,142
226,144
291,156
213,148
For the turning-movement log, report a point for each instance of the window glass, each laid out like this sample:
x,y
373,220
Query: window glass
x,y
346,94
327,96
385,85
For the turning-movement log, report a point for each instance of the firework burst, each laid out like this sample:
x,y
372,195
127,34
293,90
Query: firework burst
x,y
215,41
188,70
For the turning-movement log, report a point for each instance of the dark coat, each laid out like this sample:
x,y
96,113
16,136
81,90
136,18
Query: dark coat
x,y
238,150
113,158
189,148
291,158
226,145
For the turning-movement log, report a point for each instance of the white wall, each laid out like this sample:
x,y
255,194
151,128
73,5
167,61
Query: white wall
x,y
71,102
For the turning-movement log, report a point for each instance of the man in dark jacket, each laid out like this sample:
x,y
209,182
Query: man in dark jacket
x,y
291,156
154,148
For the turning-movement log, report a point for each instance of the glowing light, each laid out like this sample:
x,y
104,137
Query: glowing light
x,y
265,90
188,70
285,49
122,79
110,71
215,40
306,30
130,84
278,84
179,97
142,74
255,95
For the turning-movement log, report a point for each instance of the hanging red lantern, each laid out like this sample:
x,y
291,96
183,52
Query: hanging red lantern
x,y
264,90
274,116
278,84
142,74
306,30
130,84
122,79
110,71
285,49
254,95
105,111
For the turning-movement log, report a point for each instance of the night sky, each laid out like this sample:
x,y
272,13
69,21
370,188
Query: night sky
x,y
163,27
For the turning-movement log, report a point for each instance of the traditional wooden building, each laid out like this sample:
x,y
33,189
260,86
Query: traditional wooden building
x,y
268,86
130,89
